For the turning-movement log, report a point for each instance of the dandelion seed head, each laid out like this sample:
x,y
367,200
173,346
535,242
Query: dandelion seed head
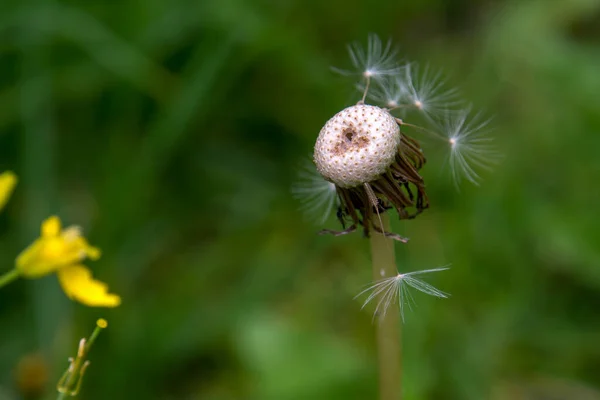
x,y
357,145
361,152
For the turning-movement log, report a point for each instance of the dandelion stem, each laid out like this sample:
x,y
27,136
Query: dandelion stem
x,y
8,277
387,324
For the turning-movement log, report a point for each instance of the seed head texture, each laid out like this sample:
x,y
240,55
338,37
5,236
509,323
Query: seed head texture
x,y
357,145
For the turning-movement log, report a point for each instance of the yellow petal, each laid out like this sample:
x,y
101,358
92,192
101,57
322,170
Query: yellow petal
x,y
80,243
46,255
93,253
78,284
30,264
51,227
8,181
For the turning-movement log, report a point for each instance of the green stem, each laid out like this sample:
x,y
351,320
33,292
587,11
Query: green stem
x,y
388,326
92,339
8,277
70,383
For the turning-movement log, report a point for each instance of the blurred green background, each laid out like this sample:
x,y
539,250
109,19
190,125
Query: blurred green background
x,y
172,133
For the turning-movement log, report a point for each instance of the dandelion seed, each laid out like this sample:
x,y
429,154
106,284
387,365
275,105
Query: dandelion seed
x,y
396,289
425,90
470,147
390,92
318,196
375,61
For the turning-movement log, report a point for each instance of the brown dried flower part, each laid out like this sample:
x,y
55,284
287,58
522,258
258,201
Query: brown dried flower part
x,y
373,166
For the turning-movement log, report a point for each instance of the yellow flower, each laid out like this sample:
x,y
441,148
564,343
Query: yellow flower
x,y
8,181
54,249
61,251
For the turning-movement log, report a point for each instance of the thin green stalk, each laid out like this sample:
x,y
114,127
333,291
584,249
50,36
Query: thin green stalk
x,y
73,377
8,277
70,382
389,337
